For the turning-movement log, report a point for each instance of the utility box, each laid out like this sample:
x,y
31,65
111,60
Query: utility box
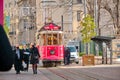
x,y
88,60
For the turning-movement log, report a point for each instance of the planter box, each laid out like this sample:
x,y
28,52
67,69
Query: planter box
x,y
88,60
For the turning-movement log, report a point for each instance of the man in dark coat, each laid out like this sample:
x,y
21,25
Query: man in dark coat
x,y
6,53
18,59
66,56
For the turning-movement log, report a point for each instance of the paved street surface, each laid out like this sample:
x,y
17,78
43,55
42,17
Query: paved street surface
x,y
69,72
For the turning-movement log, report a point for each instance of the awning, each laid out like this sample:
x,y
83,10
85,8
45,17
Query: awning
x,y
102,38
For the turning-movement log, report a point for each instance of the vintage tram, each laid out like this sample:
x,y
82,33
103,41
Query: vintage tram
x,y
51,45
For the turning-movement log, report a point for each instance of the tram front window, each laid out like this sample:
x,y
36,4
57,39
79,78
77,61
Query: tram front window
x,y
51,39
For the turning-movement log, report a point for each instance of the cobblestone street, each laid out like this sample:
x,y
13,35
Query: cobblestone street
x,y
69,72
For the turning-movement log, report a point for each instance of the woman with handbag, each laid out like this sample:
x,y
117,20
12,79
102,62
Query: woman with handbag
x,y
26,55
34,57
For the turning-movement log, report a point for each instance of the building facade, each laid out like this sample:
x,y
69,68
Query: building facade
x,y
28,16
22,20
27,21
11,12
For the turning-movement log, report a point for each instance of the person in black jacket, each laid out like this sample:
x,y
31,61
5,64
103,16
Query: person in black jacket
x,y
34,57
6,52
18,60
26,54
66,56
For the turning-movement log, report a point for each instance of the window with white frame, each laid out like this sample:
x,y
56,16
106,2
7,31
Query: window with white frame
x,y
25,11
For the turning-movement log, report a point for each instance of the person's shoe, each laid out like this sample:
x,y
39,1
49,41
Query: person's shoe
x,y
34,72
25,69
17,72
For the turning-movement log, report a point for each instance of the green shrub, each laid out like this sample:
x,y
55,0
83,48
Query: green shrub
x,y
81,53
100,53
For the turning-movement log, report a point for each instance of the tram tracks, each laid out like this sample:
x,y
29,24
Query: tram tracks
x,y
61,75
68,74
80,74
49,74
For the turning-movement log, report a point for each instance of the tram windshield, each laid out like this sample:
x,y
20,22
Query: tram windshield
x,y
51,39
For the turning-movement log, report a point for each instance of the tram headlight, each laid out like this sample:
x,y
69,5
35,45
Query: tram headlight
x,y
52,52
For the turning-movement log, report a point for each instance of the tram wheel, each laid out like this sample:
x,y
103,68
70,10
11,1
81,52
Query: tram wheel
x,y
44,64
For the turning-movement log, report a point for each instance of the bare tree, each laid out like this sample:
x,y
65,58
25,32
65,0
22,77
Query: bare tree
x,y
114,12
91,10
111,6
90,7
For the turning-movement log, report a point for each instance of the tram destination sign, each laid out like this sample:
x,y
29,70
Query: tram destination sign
x,y
51,26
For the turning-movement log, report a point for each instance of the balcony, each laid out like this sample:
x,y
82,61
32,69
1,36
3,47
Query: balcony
x,y
12,33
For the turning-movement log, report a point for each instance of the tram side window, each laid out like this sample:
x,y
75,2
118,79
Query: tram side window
x,y
55,40
60,38
44,39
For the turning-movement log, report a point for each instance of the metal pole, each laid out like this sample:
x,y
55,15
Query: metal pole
x,y
45,15
96,23
71,18
84,7
62,23
117,13
103,51
85,12
106,54
96,16
111,54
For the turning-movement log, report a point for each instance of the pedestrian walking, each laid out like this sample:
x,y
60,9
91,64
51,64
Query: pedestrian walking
x,y
26,54
34,57
66,56
18,59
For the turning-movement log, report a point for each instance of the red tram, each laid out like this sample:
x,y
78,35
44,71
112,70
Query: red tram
x,y
51,45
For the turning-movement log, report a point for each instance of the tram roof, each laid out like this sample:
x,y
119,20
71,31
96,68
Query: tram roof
x,y
51,27
43,32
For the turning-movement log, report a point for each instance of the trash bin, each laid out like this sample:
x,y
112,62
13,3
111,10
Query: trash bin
x,y
88,60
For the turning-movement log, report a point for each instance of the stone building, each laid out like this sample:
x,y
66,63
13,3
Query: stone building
x,y
22,20
11,11
27,21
